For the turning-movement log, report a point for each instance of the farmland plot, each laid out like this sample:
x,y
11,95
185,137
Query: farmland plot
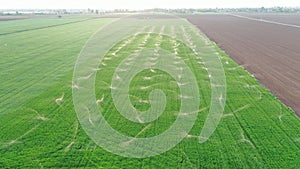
x,y
255,129
267,48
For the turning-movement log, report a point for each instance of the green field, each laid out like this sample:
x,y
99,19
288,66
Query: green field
x,y
40,130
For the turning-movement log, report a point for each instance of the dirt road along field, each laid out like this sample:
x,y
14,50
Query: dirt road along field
x,y
8,18
271,52
293,19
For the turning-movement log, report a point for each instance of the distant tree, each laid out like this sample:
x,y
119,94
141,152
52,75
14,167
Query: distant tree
x,y
64,11
91,10
279,9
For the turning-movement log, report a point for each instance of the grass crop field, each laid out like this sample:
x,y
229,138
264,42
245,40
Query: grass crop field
x,y
39,126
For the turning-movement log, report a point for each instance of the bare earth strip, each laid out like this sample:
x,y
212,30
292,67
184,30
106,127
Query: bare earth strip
x,y
271,52
9,18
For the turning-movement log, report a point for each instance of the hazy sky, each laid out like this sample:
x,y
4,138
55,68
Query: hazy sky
x,y
142,4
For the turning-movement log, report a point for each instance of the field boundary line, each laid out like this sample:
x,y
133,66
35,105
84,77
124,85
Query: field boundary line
x,y
266,21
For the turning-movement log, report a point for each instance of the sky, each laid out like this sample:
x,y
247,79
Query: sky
x,y
142,4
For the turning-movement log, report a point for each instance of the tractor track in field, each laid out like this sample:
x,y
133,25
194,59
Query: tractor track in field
x,y
28,86
45,27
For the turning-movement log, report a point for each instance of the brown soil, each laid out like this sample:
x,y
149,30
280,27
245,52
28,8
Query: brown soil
x,y
271,52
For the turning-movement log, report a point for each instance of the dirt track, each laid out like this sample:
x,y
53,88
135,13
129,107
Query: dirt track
x,y
271,52
282,18
8,18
